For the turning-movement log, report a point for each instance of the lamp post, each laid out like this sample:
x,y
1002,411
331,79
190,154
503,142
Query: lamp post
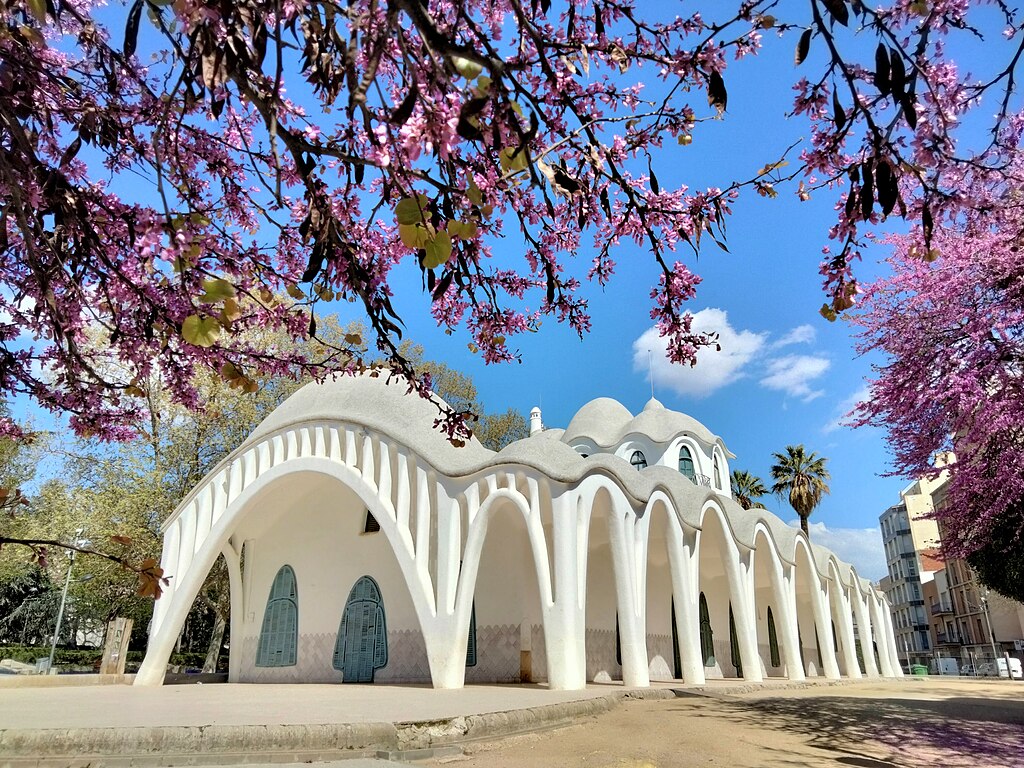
x,y
60,613
991,635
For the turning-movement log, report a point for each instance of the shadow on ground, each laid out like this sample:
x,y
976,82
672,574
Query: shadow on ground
x,y
882,732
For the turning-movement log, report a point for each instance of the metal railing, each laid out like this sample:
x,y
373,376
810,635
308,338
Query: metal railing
x,y
938,608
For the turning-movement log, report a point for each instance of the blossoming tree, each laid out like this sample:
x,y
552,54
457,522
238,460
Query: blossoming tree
x,y
951,324
176,173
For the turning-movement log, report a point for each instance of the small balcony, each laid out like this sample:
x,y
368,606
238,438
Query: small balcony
x,y
948,638
939,608
701,480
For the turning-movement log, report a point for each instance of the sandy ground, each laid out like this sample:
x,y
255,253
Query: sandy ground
x,y
913,723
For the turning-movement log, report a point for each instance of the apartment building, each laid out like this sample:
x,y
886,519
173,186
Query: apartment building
x,y
911,543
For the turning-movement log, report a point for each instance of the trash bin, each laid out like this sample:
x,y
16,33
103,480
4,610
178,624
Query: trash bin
x,y
918,669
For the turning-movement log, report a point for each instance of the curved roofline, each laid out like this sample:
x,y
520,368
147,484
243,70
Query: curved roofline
x,y
390,407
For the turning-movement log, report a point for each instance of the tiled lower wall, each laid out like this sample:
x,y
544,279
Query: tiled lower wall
x,y
499,658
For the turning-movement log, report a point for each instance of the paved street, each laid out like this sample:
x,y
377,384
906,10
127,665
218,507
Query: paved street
x,y
912,723
931,723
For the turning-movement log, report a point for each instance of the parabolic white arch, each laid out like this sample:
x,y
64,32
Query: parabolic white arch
x,y
533,563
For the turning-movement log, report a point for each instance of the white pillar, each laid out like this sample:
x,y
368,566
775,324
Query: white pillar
x,y
741,586
791,650
878,623
823,619
682,560
564,621
842,611
890,637
632,641
864,632
233,562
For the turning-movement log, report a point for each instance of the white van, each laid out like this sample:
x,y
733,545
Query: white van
x,y
943,665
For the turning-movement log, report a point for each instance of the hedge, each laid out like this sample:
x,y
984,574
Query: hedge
x,y
88,657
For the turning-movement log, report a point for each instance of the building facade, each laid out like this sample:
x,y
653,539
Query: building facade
x,y
362,546
911,543
939,610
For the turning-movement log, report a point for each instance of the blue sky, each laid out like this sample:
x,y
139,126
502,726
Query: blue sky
x,y
785,376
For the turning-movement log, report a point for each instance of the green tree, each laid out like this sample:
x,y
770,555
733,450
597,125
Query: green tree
x,y
999,561
493,430
746,488
803,477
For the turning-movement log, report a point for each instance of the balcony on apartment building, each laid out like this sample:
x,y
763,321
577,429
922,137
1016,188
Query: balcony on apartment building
x,y
939,607
948,638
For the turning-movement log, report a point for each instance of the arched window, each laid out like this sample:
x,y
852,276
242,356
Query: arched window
x,y
686,463
734,645
718,474
707,636
773,640
638,460
279,635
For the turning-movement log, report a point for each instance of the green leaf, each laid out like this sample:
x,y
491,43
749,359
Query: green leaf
x,y
200,331
468,69
411,210
38,9
413,235
217,290
462,229
511,161
438,250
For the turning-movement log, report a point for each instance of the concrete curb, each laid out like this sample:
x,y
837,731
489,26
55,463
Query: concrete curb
x,y
240,744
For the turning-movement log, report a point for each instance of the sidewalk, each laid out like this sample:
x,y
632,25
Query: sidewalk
x,y
234,723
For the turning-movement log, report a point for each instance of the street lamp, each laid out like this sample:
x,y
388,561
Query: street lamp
x,y
60,613
991,635
64,598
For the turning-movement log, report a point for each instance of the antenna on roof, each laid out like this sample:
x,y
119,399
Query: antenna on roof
x,y
650,368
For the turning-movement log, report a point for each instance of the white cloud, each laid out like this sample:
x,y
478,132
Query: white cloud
x,y
714,369
802,334
860,547
845,407
793,375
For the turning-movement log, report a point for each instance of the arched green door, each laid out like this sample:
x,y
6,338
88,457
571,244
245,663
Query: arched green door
x,y
362,644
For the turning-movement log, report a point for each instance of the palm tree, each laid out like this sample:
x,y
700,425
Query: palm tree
x,y
803,476
747,487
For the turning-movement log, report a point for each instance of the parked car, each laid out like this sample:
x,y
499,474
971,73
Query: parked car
x,y
969,670
999,669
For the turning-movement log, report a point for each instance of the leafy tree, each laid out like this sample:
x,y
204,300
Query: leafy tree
x,y
802,476
746,488
416,135
999,561
493,430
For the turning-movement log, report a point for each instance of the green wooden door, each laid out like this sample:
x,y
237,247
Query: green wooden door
x,y
362,644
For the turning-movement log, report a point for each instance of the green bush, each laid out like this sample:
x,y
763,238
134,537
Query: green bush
x,y
90,657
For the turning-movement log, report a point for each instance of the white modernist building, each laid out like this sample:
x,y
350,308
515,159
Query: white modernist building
x,y
362,546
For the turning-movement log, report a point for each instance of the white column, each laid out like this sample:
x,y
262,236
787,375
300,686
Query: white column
x,y
890,637
741,586
233,562
823,619
864,632
632,642
884,658
683,563
842,611
564,620
791,650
